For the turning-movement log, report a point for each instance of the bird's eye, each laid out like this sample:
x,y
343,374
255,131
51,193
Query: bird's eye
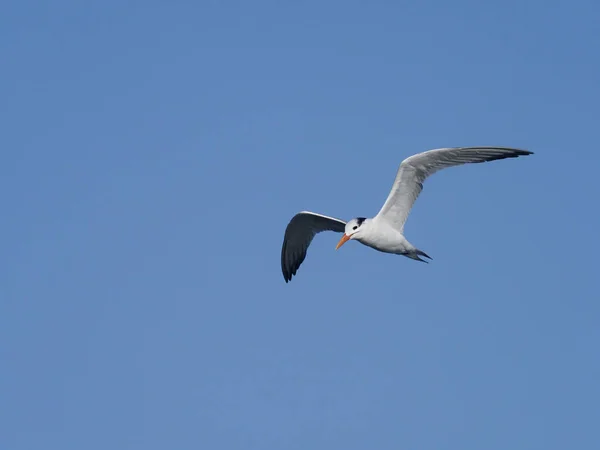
x,y
354,227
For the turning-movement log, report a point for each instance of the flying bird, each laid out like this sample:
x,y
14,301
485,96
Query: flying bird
x,y
385,231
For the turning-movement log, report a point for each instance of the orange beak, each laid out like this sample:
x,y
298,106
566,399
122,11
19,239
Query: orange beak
x,y
343,240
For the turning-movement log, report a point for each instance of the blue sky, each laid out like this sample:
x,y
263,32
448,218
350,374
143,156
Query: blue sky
x,y
153,153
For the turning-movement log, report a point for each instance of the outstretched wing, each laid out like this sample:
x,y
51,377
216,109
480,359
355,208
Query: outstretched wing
x,y
414,170
299,234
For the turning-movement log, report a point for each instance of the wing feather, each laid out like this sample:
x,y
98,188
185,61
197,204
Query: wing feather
x,y
299,233
413,172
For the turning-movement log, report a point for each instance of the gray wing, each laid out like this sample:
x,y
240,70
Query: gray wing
x,y
414,170
299,234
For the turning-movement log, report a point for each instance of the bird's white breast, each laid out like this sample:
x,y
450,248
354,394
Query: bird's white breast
x,y
383,237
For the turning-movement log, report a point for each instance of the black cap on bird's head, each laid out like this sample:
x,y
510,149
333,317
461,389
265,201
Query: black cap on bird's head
x,y
352,227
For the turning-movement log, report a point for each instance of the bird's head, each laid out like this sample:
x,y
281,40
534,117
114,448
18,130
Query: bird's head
x,y
352,231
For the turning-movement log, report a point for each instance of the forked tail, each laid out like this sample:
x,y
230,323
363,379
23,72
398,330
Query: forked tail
x,y
418,253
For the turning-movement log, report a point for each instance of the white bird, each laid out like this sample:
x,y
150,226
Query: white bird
x,y
385,231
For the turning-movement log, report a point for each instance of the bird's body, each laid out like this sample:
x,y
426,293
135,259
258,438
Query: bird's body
x,y
381,235
385,231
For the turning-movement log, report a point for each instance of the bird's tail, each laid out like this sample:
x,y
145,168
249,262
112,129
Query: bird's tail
x,y
418,253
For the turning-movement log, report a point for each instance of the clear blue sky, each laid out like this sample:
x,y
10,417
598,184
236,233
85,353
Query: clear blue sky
x,y
153,153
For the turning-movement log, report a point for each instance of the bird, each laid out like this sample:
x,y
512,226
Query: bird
x,y
385,231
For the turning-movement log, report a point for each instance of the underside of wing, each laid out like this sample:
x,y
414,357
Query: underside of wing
x,y
299,233
414,170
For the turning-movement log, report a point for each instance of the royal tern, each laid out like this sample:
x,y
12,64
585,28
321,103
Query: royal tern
x,y
385,231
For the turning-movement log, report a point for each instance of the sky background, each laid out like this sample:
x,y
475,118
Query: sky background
x,y
152,154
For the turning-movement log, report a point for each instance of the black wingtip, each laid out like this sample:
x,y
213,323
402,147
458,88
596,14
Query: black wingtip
x,y
287,274
524,153
513,154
